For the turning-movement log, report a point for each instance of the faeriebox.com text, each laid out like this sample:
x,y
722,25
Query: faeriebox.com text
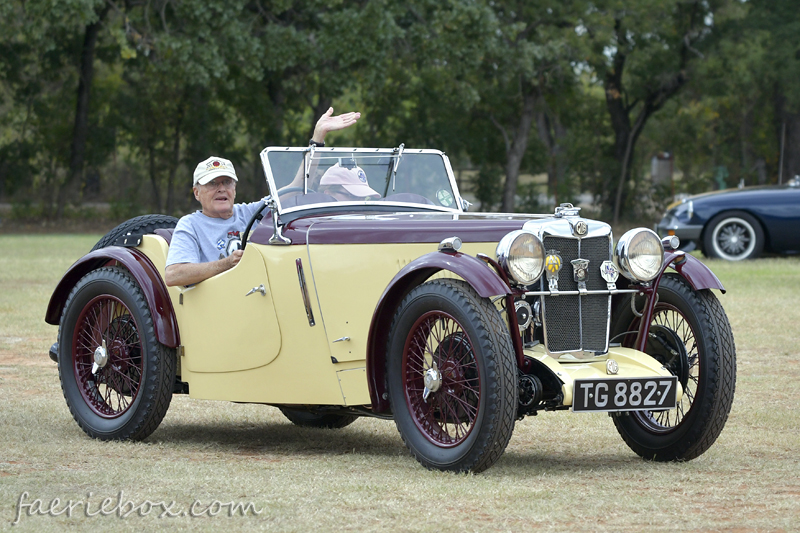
x,y
119,506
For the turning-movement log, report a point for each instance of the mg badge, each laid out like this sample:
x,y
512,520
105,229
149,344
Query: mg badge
x,y
610,273
552,265
581,228
580,269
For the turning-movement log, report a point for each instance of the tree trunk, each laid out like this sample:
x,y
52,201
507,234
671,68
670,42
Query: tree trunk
x,y
552,134
81,127
176,157
516,146
151,154
788,132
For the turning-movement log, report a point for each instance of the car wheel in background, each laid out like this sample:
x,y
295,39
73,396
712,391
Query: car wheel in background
x,y
691,336
734,236
116,377
452,377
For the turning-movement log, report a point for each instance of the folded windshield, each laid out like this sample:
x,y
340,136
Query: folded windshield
x,y
305,178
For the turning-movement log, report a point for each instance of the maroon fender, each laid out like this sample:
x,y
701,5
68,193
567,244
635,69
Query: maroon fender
x,y
478,274
145,273
692,270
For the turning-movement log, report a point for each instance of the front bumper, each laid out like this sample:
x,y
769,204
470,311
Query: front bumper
x,y
631,364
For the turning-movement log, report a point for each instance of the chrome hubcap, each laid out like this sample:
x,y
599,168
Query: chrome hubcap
x,y
100,358
433,380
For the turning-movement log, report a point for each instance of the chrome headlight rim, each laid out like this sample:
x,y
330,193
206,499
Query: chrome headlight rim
x,y
629,263
507,257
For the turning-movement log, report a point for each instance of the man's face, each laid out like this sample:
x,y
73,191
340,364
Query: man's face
x,y
217,197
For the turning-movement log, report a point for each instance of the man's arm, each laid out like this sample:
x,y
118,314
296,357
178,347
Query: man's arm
x,y
191,273
326,124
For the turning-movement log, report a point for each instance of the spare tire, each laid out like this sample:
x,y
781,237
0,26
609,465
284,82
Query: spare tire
x,y
144,224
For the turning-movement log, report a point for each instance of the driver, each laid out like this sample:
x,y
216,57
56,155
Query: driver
x,y
207,242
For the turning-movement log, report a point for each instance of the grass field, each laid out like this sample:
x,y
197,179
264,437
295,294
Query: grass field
x,y
561,471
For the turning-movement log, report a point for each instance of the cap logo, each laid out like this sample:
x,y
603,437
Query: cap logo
x,y
215,164
362,176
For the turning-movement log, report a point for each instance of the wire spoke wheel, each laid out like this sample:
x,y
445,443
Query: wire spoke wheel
x,y
116,376
688,369
690,336
437,346
107,355
451,377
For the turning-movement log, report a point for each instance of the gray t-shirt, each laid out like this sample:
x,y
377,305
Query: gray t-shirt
x,y
200,239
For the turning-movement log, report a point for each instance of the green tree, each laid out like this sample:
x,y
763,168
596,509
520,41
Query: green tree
x,y
641,53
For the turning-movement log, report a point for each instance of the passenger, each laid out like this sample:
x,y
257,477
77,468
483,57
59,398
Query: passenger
x,y
207,242
347,185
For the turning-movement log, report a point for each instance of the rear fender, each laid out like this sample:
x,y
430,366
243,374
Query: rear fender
x,y
478,274
145,274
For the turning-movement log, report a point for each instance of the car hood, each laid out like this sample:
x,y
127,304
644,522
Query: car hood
x,y
758,190
396,228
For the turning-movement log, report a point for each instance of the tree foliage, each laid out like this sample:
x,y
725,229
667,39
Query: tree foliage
x,y
116,100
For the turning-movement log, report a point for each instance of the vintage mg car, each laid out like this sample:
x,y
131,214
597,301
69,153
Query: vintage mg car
x,y
403,307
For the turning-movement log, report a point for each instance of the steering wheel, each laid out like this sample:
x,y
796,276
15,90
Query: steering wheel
x,y
256,216
294,189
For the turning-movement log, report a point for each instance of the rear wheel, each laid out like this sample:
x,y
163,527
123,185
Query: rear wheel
x,y
451,376
690,335
116,377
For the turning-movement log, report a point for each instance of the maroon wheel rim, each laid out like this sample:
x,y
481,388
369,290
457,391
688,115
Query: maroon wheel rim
x,y
667,421
106,332
438,342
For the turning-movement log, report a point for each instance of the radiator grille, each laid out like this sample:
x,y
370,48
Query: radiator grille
x,y
574,323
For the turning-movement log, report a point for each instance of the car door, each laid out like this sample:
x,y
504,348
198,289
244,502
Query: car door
x,y
228,322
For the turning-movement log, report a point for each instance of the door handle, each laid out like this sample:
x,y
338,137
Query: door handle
x,y
260,289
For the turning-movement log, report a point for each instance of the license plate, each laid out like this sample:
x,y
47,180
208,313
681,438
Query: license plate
x,y
625,394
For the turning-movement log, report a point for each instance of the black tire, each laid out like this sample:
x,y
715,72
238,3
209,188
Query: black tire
x,y
466,423
128,395
693,325
144,224
308,419
734,236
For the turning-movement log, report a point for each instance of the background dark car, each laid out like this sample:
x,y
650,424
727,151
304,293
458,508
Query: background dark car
x,y
738,223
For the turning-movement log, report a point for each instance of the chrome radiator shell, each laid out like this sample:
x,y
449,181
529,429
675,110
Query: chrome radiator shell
x,y
575,322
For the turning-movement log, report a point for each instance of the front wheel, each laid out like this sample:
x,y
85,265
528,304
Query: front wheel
x,y
451,376
691,336
116,377
734,236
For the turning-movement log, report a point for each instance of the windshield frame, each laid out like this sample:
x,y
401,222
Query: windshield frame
x,y
363,205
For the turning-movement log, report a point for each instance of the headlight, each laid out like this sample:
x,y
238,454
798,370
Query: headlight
x,y
521,254
684,210
639,254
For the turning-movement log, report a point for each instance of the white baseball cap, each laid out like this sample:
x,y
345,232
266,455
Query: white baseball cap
x,y
354,180
211,168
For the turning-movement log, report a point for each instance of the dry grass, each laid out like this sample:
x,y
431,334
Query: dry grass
x,y
560,472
